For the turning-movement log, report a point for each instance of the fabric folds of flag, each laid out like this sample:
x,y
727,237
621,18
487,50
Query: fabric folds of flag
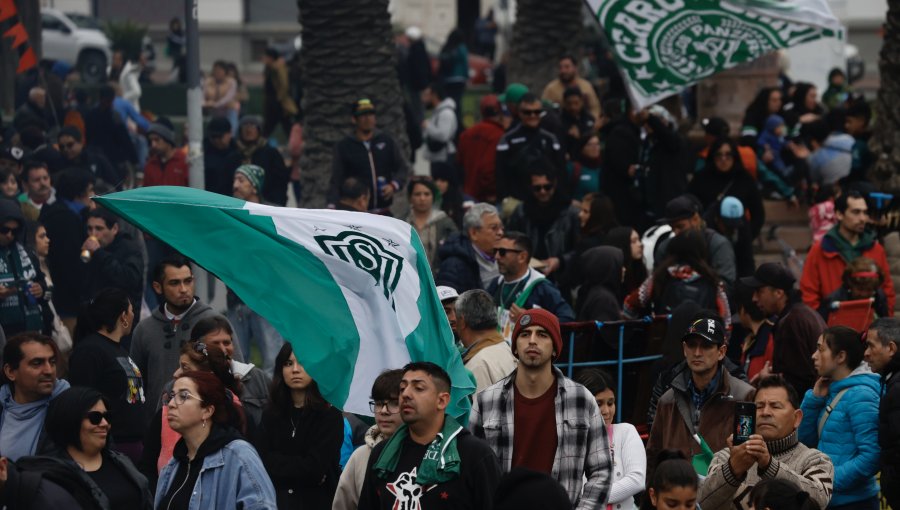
x,y
664,46
352,292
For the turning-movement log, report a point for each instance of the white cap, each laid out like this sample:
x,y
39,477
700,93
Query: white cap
x,y
446,293
414,33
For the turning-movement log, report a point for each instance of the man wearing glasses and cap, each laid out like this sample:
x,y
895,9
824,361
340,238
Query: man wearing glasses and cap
x,y
371,156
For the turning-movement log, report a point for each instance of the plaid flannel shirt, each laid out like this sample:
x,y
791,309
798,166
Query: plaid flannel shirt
x,y
583,447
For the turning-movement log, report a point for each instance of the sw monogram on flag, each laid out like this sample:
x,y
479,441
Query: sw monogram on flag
x,y
352,292
664,46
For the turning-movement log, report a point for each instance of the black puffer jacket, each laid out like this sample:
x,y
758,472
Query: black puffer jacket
x,y
458,266
553,229
889,430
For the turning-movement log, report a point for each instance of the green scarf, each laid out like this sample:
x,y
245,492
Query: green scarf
x,y
849,251
440,463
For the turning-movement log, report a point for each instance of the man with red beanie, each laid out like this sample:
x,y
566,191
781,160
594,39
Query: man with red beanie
x,y
476,151
541,420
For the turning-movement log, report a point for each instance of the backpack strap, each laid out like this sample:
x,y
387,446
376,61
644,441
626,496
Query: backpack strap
x,y
829,408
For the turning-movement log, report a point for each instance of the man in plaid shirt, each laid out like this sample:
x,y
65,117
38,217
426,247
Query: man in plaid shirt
x,y
539,419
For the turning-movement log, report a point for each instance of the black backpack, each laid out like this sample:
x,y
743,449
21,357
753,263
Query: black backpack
x,y
31,472
700,291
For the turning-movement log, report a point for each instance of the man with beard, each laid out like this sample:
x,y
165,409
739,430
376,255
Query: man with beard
x,y
430,461
547,218
519,287
255,150
39,192
539,419
568,77
29,366
73,150
156,342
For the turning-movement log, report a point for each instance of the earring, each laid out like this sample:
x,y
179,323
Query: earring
x,y
124,324
204,422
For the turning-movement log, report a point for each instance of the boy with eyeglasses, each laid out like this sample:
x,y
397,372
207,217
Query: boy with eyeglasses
x,y
21,280
385,405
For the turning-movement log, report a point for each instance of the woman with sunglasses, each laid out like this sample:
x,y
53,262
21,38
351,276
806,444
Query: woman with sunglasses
x,y
99,361
78,422
21,280
233,475
300,438
160,439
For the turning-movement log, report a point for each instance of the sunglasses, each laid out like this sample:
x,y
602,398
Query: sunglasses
x,y
542,187
6,230
96,417
531,113
503,251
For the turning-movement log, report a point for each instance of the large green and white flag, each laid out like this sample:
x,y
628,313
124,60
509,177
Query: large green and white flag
x,y
352,292
664,46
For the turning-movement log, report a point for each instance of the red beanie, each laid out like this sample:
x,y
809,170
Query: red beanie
x,y
544,319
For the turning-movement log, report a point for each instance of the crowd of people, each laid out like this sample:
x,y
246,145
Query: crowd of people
x,y
122,387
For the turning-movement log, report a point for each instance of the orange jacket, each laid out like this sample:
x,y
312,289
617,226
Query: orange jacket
x,y
824,268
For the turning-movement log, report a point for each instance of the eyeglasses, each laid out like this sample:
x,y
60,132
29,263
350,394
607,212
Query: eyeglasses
x,y
503,251
724,155
6,230
542,187
376,406
96,417
531,113
180,398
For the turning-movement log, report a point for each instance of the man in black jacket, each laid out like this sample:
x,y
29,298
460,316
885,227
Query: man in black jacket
x,y
76,154
116,259
431,461
255,150
220,156
467,258
522,146
64,220
371,156
882,344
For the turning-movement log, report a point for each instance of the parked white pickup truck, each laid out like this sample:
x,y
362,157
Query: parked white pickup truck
x,y
76,42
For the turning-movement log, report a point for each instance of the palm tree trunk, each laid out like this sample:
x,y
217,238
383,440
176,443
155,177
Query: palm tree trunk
x,y
885,141
543,32
347,54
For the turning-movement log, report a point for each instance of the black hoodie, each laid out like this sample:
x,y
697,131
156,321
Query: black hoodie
x,y
601,271
179,495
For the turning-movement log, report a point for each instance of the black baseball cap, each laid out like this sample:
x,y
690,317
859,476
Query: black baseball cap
x,y
710,328
362,107
680,208
771,274
716,126
16,154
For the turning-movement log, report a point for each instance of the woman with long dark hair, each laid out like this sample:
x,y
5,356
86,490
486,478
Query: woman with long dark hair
x,y
232,474
628,240
768,101
79,422
803,108
300,438
99,361
683,275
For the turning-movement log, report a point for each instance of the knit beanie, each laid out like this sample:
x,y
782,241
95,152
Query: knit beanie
x,y
163,131
255,174
544,319
524,488
251,120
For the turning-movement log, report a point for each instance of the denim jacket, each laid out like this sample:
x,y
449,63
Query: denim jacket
x,y
232,477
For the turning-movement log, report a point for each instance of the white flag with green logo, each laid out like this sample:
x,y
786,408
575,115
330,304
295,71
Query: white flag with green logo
x,y
664,46
352,292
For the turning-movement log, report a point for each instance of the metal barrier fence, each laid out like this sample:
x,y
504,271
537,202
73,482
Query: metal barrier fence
x,y
570,365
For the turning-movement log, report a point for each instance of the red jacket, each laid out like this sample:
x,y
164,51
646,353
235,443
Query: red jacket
x,y
173,173
476,153
824,268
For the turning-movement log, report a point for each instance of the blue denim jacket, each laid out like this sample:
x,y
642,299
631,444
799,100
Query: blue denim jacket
x,y
233,477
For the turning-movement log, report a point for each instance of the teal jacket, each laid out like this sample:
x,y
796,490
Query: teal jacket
x,y
850,435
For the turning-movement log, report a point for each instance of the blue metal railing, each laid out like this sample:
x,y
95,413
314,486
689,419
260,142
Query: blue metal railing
x,y
620,361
